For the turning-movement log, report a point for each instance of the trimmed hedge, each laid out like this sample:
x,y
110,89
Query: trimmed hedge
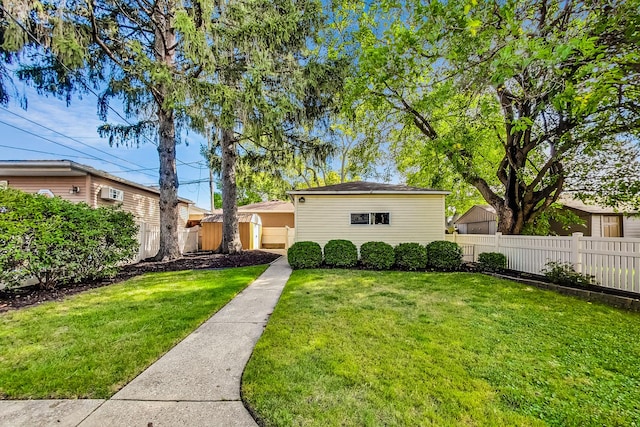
x,y
377,255
444,255
340,253
411,256
304,255
492,261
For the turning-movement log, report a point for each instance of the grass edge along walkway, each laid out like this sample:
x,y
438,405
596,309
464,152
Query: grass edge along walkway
x,y
358,348
93,343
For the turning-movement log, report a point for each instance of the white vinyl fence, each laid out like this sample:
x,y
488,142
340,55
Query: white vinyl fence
x,y
149,238
614,262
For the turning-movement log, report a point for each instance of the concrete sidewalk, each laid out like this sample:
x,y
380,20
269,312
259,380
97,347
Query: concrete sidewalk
x,y
197,383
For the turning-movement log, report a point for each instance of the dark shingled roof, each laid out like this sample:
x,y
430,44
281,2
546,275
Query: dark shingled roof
x,y
362,187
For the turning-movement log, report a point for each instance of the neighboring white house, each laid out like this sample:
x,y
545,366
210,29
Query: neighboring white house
x,y
366,211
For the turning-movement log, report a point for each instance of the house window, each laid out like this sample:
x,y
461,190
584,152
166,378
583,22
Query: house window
x,y
370,218
359,218
380,218
612,226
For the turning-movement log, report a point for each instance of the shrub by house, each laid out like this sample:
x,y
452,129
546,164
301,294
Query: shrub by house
x,y
56,241
304,255
444,255
377,255
340,253
411,256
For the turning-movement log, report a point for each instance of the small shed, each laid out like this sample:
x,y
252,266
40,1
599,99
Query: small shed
x,y
250,226
277,219
368,211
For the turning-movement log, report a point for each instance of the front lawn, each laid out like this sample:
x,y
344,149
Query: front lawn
x,y
92,344
354,348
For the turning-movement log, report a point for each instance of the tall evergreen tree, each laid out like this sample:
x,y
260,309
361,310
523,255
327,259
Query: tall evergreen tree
x,y
265,89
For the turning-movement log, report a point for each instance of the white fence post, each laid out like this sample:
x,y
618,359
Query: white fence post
x,y
575,251
497,240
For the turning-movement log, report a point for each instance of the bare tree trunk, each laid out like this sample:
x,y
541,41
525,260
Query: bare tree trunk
x,y
230,231
169,247
165,41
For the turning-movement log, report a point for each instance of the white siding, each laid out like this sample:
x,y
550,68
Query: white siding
x,y
596,226
413,218
493,227
631,226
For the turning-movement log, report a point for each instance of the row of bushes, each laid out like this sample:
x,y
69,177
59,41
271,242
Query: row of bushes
x,y
56,241
441,255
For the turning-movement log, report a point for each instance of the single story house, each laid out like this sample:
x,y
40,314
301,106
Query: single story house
x,y
250,227
599,221
81,183
367,211
278,219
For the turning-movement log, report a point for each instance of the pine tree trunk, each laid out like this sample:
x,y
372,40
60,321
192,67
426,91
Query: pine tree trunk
x,y
230,231
169,247
165,40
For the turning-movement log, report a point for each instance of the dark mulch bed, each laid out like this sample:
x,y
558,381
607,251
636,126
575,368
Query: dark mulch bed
x,y
31,295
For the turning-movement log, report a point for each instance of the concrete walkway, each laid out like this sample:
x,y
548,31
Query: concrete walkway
x,y
197,383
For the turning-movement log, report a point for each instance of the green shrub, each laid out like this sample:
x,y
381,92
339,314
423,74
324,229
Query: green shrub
x,y
56,241
377,255
444,255
304,255
411,256
340,253
563,273
492,261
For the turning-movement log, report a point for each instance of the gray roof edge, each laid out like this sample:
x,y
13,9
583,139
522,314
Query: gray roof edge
x,y
487,208
83,168
334,192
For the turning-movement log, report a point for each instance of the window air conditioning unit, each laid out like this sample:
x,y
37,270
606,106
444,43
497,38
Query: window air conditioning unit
x,y
109,193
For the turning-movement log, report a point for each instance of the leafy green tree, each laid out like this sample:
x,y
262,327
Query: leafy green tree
x,y
509,93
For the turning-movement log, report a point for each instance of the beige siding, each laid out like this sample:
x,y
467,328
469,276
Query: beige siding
x,y
278,219
631,226
413,218
596,226
59,185
143,204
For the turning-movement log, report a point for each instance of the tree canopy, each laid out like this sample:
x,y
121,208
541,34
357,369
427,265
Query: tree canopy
x,y
509,96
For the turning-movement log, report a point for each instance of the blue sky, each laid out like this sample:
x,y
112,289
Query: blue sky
x,y
72,135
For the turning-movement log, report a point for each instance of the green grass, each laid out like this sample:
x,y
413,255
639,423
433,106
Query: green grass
x,y
354,348
93,343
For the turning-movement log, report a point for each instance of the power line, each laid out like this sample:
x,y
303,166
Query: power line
x,y
62,145
73,139
80,78
44,152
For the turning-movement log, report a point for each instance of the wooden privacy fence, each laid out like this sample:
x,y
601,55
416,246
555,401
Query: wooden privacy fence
x,y
149,238
614,262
